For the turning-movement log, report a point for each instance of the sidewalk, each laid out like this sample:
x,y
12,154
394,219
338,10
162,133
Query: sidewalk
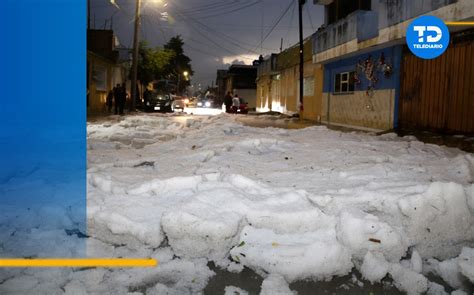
x,y
277,120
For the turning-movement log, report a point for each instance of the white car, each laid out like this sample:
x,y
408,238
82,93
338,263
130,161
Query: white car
x,y
179,103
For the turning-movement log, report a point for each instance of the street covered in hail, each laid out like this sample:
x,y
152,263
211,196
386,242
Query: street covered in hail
x,y
310,204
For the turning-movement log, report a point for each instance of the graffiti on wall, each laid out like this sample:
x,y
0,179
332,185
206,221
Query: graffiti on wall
x,y
372,70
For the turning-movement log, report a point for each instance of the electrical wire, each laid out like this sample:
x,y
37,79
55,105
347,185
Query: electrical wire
x,y
309,17
231,11
289,25
292,2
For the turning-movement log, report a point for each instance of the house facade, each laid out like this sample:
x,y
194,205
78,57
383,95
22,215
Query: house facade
x,y
278,84
221,84
240,79
268,78
105,68
369,71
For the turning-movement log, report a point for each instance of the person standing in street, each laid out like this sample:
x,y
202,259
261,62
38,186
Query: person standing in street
x,y
228,102
123,98
235,103
110,100
117,95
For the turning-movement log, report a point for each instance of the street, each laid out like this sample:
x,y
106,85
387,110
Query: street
x,y
291,205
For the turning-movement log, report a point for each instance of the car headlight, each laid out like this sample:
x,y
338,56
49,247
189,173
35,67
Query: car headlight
x,y
208,104
199,104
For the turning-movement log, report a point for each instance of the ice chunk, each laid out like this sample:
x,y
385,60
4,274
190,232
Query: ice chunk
x,y
407,280
466,263
362,232
231,290
375,267
416,262
450,272
317,255
437,218
202,233
435,289
275,284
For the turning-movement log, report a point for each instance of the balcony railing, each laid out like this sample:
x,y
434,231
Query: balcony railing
x,y
361,25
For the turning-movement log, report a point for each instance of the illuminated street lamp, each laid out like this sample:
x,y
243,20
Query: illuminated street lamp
x,y
135,50
185,74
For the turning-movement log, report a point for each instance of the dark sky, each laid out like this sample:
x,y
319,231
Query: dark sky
x,y
216,32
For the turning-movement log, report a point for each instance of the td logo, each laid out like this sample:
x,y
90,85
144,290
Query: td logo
x,y
427,37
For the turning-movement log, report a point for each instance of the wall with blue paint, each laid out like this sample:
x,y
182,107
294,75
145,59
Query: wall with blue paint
x,y
377,112
392,56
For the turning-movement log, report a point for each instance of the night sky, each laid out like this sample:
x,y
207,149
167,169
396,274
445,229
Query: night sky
x,y
216,32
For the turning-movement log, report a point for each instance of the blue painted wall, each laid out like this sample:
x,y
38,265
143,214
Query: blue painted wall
x,y
393,56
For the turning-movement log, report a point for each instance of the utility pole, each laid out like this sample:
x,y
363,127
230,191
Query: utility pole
x,y
135,57
300,12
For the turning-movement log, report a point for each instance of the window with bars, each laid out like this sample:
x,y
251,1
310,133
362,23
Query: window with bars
x,y
344,82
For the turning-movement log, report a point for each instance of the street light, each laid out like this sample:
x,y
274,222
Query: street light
x,y
185,74
135,51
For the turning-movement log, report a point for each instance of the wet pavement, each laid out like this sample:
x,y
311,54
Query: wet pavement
x,y
251,282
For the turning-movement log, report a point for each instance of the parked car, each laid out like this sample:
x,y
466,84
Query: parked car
x,y
179,103
159,102
242,109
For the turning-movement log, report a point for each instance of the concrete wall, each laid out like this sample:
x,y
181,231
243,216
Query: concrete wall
x,y
313,104
97,97
264,86
392,12
358,110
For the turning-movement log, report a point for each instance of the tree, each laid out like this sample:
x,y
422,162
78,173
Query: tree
x,y
179,64
152,62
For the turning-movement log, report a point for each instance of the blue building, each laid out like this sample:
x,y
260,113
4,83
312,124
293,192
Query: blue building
x,y
367,66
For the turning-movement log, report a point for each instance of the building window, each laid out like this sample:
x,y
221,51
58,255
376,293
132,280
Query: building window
x,y
308,89
344,82
99,75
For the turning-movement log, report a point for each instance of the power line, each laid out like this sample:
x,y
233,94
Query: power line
x,y
212,32
216,6
309,17
278,21
290,23
232,11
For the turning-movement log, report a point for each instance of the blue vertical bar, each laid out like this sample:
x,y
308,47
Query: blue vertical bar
x,y
43,128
